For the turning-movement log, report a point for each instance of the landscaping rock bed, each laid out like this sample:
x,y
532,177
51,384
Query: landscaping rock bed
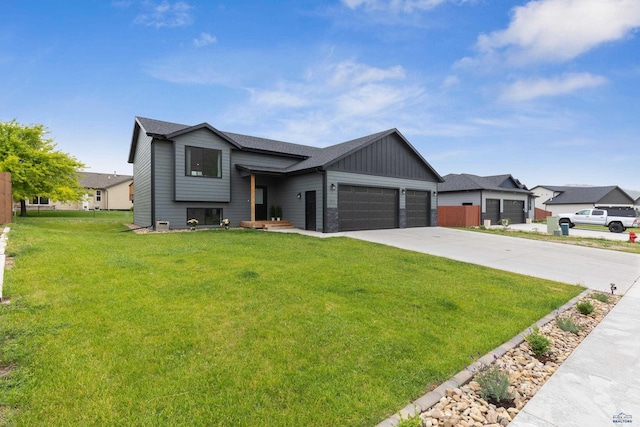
x,y
464,407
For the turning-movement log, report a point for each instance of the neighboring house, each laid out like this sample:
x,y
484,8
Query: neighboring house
x,y
182,172
499,196
564,199
104,191
635,195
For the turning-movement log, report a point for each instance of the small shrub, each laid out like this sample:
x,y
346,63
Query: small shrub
x,y
538,342
494,384
599,296
411,421
585,307
567,324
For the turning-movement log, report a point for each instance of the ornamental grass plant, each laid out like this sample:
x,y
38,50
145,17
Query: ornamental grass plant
x,y
237,328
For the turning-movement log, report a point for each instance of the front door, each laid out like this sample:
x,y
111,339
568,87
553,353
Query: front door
x,y
310,210
261,203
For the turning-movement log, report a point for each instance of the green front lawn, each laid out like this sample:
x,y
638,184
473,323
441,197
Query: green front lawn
x,y
238,327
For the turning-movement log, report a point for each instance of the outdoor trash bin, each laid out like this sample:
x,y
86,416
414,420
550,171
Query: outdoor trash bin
x,y
565,229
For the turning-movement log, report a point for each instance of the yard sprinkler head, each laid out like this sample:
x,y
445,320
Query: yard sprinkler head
x,y
613,288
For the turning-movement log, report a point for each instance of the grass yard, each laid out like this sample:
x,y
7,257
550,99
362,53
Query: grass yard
x,y
238,327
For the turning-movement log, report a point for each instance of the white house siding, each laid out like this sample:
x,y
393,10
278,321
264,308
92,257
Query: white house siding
x,y
542,195
569,208
460,198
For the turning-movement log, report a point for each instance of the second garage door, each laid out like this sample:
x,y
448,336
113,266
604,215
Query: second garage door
x,y
367,208
417,205
514,210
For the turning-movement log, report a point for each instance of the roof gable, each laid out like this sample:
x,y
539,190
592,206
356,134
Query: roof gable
x,y
468,182
385,153
592,195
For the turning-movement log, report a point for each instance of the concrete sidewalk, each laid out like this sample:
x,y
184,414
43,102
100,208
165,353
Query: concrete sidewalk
x,y
599,384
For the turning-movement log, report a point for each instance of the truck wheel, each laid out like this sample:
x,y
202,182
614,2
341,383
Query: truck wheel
x,y
616,227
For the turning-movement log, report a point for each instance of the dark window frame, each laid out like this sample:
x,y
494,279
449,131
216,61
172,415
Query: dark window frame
x,y
39,200
202,162
204,217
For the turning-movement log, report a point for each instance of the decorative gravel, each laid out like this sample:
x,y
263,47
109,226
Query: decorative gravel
x,y
464,407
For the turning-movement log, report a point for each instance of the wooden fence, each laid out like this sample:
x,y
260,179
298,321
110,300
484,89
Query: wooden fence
x,y
458,216
542,214
6,201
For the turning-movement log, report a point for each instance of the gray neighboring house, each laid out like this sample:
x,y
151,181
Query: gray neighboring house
x,y
182,172
564,199
499,196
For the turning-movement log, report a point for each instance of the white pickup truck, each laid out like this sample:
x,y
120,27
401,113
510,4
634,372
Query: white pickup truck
x,y
616,224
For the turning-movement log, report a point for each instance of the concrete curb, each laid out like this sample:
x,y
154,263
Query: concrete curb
x,y
463,377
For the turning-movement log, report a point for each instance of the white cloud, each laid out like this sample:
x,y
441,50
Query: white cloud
x,y
342,96
279,98
560,30
450,81
525,90
165,14
351,73
204,39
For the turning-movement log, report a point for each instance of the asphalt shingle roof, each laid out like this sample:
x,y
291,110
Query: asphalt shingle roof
x,y
468,182
101,180
571,195
311,157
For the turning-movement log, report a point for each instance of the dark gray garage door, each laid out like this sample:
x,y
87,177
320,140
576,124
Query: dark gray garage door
x,y
514,210
367,208
493,211
417,206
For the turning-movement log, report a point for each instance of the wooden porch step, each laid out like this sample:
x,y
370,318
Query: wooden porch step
x,y
266,225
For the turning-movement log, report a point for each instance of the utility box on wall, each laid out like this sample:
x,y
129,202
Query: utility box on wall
x,y
162,225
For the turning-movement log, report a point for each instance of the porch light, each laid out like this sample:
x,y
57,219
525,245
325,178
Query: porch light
x,y
333,186
299,195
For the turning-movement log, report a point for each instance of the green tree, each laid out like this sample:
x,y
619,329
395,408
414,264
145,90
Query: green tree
x,y
37,168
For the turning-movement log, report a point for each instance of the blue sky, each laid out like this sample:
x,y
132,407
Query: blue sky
x,y
545,90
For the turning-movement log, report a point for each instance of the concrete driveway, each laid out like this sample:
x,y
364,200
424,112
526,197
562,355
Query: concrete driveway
x,y
589,267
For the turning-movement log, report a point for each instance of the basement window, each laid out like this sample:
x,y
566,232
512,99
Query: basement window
x,y
205,216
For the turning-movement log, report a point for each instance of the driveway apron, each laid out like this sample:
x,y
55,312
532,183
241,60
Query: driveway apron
x,y
589,267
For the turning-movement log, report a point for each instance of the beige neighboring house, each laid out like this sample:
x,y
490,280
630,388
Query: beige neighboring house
x,y
104,192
